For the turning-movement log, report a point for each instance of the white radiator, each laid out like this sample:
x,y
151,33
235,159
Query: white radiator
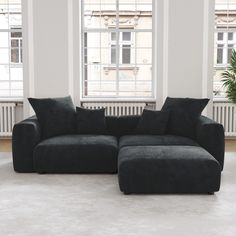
x,y
117,108
224,112
7,118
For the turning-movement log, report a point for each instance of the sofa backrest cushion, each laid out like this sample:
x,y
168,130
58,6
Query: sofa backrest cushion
x,y
153,122
56,115
90,121
123,125
184,114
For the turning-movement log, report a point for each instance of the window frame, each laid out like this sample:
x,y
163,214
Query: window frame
x,y
10,65
122,43
19,47
224,46
133,66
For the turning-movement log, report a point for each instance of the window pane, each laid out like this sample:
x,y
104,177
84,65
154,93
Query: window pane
x,y
4,39
143,39
16,34
97,39
4,17
144,72
92,39
14,1
144,86
230,49
16,85
93,88
220,36
126,7
126,86
16,93
113,36
16,73
128,94
93,72
127,1
230,36
144,55
15,55
4,56
126,74
113,54
14,43
105,40
4,93
220,55
126,54
94,15
142,6
15,16
107,86
4,72
108,73
126,36
4,85
93,56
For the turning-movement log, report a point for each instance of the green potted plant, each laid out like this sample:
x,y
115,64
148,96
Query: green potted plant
x,y
229,79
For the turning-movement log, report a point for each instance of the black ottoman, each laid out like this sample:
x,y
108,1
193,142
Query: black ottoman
x,y
167,169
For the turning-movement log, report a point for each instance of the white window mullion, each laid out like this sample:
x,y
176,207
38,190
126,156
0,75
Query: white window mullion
x,y
100,54
9,53
117,49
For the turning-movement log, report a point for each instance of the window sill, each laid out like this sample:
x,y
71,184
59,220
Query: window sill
x,y
20,100
153,100
220,67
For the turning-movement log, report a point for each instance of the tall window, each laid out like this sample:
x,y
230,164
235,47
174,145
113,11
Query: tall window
x,y
117,48
11,79
225,40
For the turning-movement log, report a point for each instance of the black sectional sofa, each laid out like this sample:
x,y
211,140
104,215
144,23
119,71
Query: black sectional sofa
x,y
145,163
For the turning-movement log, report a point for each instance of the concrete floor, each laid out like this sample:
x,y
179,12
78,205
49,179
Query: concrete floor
x,y
32,204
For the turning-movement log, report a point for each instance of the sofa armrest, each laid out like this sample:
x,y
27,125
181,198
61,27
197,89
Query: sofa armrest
x,y
210,135
26,135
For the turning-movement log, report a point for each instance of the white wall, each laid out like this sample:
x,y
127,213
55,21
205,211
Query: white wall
x,y
184,48
50,48
185,52
188,39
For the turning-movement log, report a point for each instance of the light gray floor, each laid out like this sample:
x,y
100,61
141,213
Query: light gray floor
x,y
81,205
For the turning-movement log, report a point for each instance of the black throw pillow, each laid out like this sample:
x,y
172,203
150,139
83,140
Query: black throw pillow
x,y
184,114
153,122
90,121
56,115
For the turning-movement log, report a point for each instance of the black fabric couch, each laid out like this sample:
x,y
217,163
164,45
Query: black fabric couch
x,y
145,163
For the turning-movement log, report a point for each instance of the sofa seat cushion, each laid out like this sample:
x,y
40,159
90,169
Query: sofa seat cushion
x,y
167,169
77,154
153,140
